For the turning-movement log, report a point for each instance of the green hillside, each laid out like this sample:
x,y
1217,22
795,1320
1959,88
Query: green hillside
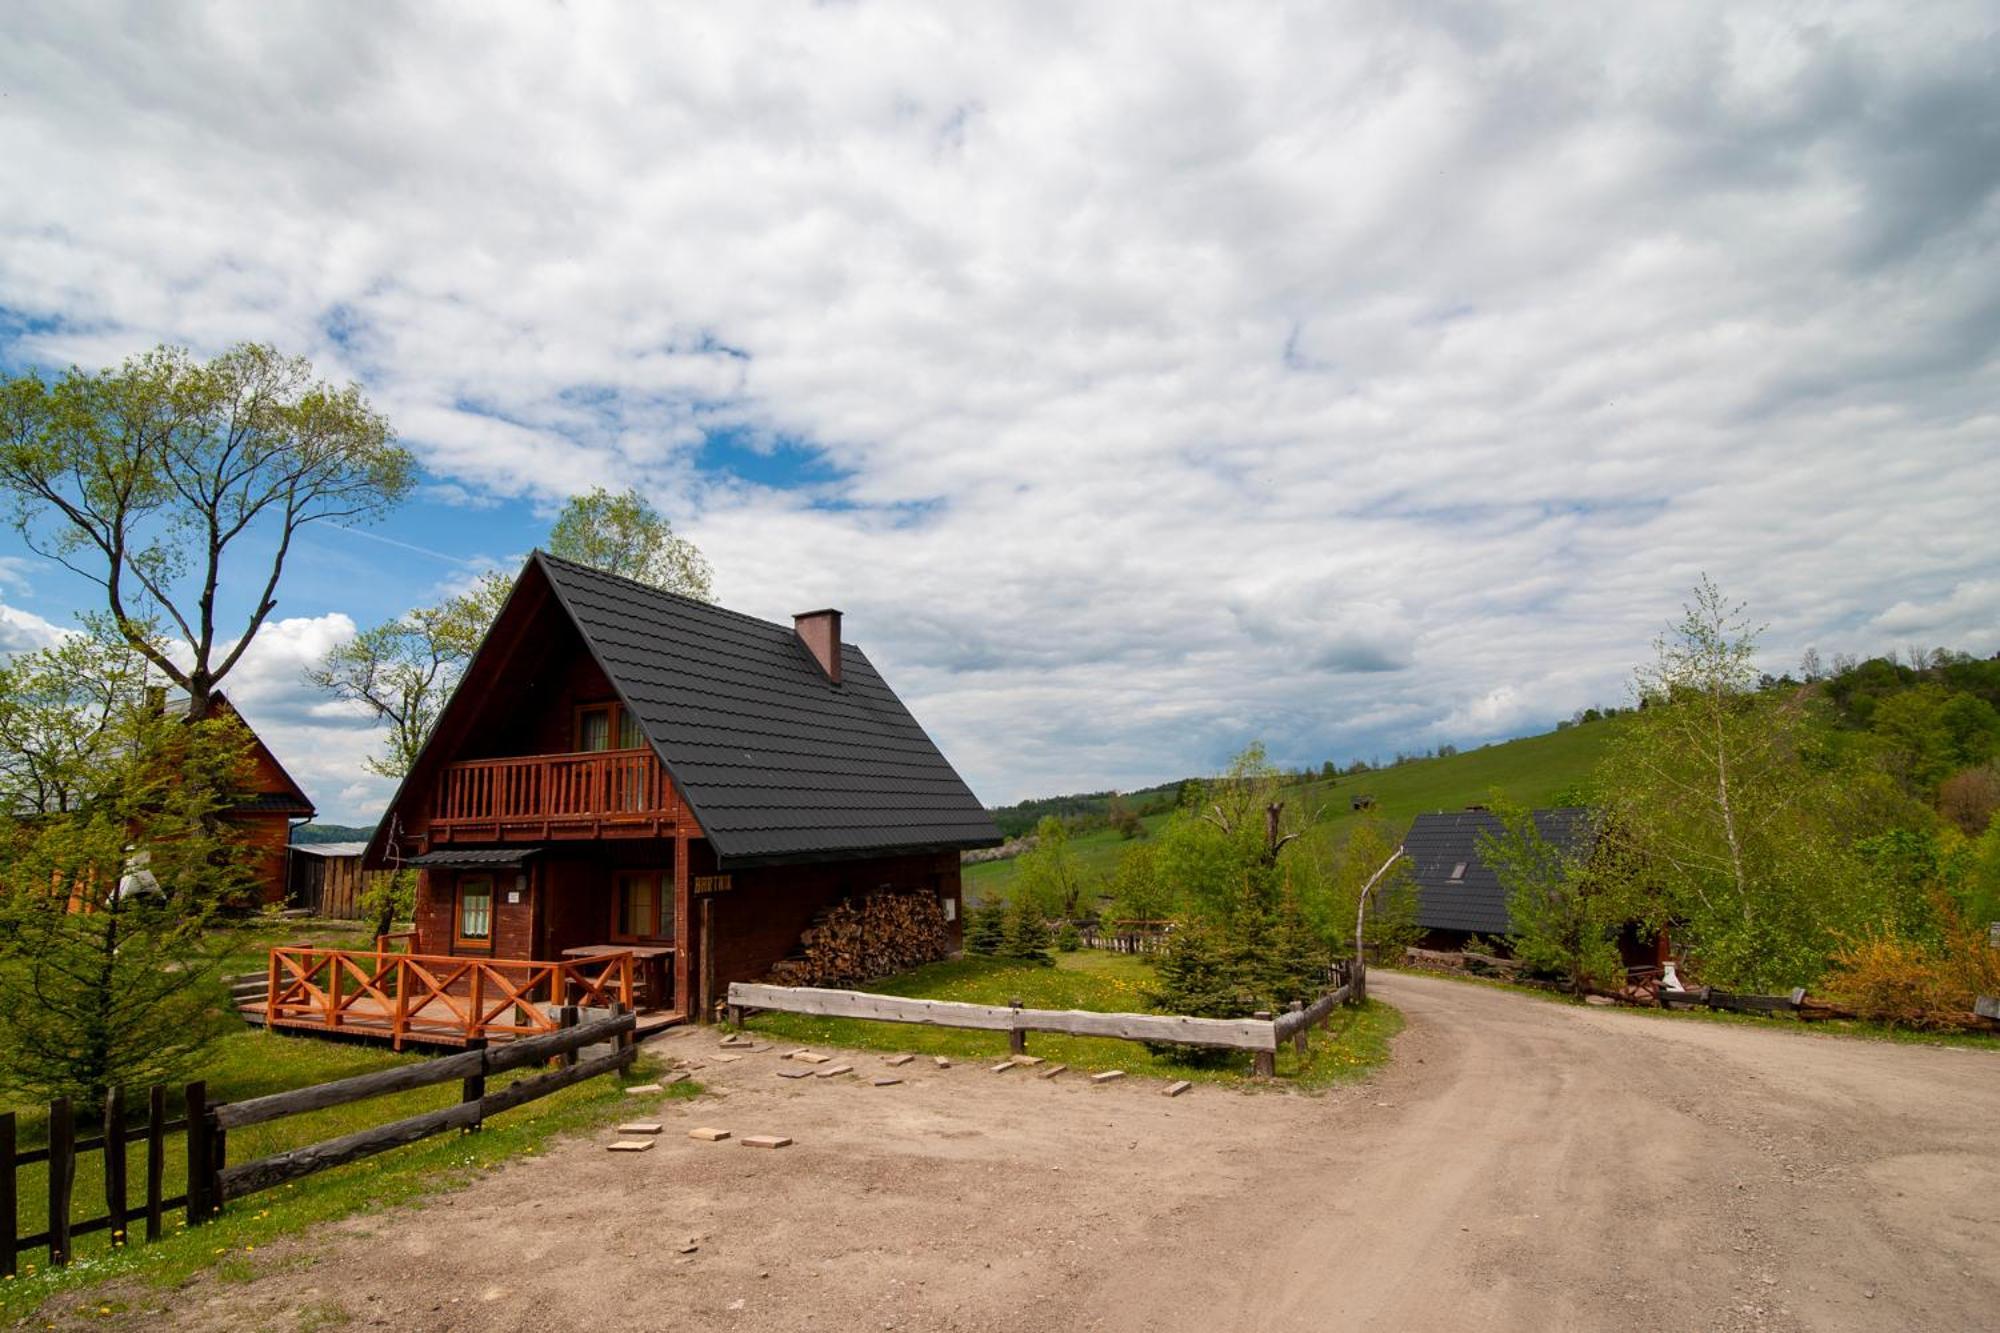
x,y
1531,771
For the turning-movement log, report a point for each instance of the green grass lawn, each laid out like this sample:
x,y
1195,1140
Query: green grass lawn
x,y
1352,1043
247,944
251,1063
1530,771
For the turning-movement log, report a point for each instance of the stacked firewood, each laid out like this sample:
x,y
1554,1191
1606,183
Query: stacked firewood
x,y
859,938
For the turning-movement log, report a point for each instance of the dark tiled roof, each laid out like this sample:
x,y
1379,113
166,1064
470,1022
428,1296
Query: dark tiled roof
x,y
273,802
1438,844
473,858
775,761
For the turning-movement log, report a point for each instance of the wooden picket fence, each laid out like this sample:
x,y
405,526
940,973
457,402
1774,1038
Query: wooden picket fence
x,y
213,1181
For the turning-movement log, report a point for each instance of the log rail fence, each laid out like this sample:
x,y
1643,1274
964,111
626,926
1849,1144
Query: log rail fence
x,y
1260,1034
213,1181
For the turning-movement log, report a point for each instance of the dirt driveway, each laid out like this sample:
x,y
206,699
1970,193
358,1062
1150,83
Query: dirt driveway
x,y
1521,1165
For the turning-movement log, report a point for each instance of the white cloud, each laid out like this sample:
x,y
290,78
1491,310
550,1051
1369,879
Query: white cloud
x,y
1357,378
24,631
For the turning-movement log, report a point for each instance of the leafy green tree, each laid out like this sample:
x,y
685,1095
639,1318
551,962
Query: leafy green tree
x,y
388,899
1565,916
1139,888
403,671
1025,934
986,928
1934,732
170,479
106,964
1741,807
623,534
1049,876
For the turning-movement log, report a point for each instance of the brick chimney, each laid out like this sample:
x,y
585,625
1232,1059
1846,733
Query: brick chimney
x,y
819,631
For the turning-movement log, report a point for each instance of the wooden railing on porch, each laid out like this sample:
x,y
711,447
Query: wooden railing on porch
x,y
425,997
595,787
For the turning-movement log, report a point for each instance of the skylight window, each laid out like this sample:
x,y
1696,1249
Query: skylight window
x,y
1458,871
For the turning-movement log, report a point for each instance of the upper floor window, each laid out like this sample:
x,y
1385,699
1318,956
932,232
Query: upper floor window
x,y
607,726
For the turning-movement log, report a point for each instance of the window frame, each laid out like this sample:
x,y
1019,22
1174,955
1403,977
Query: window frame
x,y
461,940
664,906
617,718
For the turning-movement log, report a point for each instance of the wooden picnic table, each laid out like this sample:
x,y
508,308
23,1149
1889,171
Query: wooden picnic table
x,y
650,961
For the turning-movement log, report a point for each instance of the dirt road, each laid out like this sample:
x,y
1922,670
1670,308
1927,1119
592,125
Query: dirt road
x,y
1521,1165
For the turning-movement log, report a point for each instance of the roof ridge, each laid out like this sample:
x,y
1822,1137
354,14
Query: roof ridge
x,y
640,585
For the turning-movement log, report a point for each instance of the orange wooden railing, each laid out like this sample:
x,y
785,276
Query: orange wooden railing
x,y
425,996
603,785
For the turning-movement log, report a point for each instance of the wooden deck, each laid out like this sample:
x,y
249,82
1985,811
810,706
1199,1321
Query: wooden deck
x,y
438,1000
368,1018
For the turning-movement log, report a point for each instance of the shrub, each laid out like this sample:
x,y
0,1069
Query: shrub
x,y
1069,939
986,928
1891,979
1025,935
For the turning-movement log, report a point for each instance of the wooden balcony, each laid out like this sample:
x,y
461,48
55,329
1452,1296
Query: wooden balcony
x,y
600,794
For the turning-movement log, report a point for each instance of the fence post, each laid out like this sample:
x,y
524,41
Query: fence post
x,y
473,1087
114,1164
1017,1036
1299,1037
1265,1063
156,1157
10,1211
477,1000
196,1101
568,1020
62,1174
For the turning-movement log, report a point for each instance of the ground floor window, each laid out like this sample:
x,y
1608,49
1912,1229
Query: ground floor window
x,y
643,905
475,909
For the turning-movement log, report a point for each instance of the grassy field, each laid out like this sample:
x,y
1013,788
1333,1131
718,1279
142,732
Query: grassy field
x,y
1354,1042
1531,771
248,1064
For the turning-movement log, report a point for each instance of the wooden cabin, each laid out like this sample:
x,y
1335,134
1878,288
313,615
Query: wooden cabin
x,y
1459,895
266,814
624,769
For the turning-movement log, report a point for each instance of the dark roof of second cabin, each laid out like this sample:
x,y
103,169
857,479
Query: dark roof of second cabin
x,y
1438,844
775,761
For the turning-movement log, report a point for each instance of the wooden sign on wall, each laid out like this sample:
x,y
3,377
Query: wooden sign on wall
x,y
704,884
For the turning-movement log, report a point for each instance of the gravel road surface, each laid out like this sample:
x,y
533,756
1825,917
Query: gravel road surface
x,y
1520,1165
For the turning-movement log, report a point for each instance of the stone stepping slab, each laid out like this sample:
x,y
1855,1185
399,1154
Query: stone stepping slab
x,y
707,1135
832,1070
641,1127
1108,1076
898,1061
765,1141
795,1073
1176,1089
630,1145
1051,1071
888,1081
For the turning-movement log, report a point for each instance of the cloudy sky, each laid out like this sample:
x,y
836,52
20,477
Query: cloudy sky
x,y
1139,379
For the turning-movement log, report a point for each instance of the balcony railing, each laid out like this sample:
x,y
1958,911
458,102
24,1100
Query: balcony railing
x,y
591,790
